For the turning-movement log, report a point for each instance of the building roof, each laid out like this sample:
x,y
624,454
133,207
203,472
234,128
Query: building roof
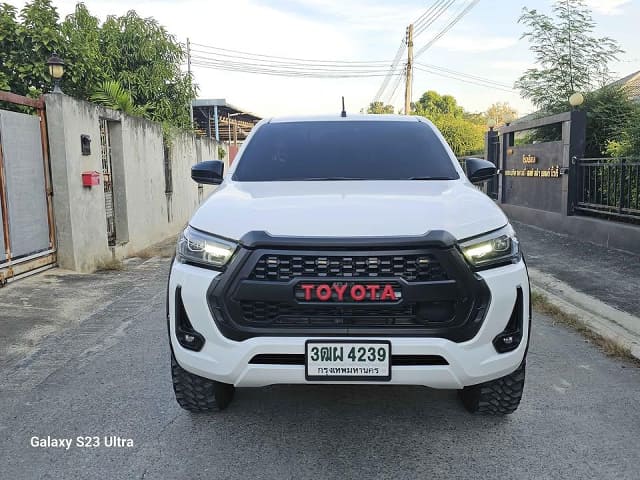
x,y
631,83
229,117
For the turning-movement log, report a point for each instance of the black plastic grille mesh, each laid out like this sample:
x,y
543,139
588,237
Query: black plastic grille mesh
x,y
412,268
258,313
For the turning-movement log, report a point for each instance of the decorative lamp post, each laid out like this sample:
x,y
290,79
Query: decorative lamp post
x,y
491,123
56,70
576,99
508,118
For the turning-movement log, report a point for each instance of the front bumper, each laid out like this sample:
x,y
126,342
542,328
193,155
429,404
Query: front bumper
x,y
469,362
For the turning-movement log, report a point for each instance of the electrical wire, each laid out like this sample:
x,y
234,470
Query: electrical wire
x,y
288,59
434,12
461,74
392,70
418,30
448,27
464,80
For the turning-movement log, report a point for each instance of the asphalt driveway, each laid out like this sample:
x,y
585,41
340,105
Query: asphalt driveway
x,y
104,371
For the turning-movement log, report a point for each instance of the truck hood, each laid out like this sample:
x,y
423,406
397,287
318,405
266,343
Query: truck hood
x,y
348,209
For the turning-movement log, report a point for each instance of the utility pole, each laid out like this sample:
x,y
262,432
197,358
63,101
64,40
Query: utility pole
x,y
190,79
409,73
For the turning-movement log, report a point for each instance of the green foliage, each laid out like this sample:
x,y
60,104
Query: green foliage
x,y
463,131
145,59
222,153
500,112
112,95
611,120
569,57
464,136
136,53
432,104
380,108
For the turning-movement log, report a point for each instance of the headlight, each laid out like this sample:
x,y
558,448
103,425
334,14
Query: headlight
x,y
203,249
496,248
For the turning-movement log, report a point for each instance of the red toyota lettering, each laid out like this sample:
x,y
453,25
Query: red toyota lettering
x,y
388,293
340,289
307,290
358,293
373,291
323,292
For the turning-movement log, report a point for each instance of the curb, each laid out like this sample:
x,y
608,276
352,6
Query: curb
x,y
613,324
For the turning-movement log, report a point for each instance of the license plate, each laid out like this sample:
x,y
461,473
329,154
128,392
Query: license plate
x,y
347,361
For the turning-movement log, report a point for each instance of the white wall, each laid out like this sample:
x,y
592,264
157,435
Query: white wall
x,y
145,214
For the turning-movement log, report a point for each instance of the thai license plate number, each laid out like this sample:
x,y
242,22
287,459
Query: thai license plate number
x,y
331,360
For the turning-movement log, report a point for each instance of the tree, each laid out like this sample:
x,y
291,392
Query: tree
x,y
612,123
569,57
380,108
152,70
463,131
501,111
26,43
135,53
432,104
112,95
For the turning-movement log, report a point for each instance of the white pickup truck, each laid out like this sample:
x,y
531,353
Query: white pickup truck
x,y
348,250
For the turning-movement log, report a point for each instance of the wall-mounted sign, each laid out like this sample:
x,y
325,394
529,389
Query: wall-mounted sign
x,y
527,159
552,172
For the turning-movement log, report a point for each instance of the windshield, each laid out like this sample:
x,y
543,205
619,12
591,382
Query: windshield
x,y
344,150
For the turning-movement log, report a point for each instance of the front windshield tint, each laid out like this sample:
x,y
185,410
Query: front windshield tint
x,y
345,150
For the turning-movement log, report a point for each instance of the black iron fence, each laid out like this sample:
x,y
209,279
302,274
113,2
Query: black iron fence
x,y
609,187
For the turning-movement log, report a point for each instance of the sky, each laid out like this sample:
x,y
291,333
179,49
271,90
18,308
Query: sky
x,y
485,43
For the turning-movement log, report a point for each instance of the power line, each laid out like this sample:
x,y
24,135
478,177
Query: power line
x,y
197,54
423,18
448,27
244,67
423,22
289,59
464,80
438,14
461,74
394,66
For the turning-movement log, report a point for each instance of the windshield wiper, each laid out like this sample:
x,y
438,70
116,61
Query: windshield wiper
x,y
430,178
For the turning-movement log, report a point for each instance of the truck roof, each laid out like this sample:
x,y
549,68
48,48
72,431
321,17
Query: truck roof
x,y
349,118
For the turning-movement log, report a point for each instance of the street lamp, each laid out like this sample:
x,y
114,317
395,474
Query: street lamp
x,y
576,99
508,118
491,123
56,70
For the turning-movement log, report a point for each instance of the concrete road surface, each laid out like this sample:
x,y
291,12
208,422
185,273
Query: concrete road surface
x,y
105,372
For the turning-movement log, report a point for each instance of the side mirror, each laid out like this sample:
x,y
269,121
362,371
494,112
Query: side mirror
x,y
209,172
479,170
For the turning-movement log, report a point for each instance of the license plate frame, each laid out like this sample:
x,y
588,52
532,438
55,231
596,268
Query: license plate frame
x,y
313,376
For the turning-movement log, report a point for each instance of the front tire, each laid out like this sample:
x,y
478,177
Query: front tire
x,y
198,394
497,397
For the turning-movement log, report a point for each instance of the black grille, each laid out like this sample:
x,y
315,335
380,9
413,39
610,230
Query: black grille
x,y
412,268
298,359
258,313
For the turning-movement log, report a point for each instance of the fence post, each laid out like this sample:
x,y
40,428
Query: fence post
x,y
622,178
577,140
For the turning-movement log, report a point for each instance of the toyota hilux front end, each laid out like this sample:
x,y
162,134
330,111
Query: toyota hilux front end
x,y
348,250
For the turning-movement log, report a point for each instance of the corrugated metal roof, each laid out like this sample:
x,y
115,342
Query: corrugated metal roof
x,y
631,84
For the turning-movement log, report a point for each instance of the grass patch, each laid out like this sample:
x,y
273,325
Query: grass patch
x,y
113,265
541,304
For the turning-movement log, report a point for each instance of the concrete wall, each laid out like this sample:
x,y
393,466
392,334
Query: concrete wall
x,y
145,212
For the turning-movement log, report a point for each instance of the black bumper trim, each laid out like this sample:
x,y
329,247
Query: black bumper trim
x,y
466,289
298,359
261,239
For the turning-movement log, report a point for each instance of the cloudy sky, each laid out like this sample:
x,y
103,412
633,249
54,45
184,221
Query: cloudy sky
x,y
484,43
